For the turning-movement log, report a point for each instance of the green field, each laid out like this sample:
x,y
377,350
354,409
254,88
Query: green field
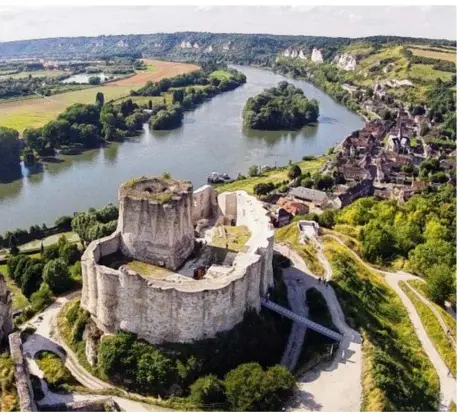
x,y
271,176
37,112
143,100
34,74
220,74
427,73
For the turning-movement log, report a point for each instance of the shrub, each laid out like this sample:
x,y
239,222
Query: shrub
x,y
250,388
294,172
56,275
207,390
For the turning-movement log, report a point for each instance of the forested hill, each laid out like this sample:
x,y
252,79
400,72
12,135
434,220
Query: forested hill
x,y
241,48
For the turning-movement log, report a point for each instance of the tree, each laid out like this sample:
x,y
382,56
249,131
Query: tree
x,y
94,80
31,279
14,250
253,171
207,390
56,275
294,172
99,99
249,388
10,151
154,371
440,283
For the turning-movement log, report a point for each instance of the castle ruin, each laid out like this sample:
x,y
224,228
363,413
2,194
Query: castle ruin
x,y
142,278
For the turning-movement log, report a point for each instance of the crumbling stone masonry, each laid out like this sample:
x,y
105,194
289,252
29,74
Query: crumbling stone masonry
x,y
155,221
171,309
6,321
21,375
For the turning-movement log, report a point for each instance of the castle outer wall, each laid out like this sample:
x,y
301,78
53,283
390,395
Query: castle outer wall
x,y
165,311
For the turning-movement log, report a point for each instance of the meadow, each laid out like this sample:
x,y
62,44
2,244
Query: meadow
x,y
33,113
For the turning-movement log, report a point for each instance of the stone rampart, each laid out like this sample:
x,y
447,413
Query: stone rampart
x,y
21,375
162,309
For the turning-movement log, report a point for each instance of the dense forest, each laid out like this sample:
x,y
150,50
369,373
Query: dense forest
x,y
422,232
284,107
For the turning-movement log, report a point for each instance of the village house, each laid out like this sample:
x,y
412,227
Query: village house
x,y
317,197
346,197
293,207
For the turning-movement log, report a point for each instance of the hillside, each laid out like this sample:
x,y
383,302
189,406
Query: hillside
x,y
242,48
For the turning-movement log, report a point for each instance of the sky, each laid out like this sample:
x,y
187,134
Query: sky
x,y
438,22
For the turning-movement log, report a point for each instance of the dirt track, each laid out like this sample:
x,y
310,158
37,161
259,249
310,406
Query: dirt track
x,y
161,70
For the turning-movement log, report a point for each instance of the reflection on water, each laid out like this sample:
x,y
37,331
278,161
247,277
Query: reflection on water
x,y
211,139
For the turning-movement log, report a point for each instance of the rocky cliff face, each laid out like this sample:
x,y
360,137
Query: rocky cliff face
x,y
6,322
317,56
345,61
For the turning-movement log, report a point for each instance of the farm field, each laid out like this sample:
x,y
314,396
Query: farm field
x,y
156,70
33,113
443,55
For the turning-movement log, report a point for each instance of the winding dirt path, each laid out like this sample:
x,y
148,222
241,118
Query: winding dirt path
x,y
447,381
334,386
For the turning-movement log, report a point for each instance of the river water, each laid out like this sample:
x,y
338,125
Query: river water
x,y
212,138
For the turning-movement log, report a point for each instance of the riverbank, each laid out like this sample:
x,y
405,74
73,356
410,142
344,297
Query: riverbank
x,y
210,139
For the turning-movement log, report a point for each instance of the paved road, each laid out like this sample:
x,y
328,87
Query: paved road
x,y
447,382
334,386
46,338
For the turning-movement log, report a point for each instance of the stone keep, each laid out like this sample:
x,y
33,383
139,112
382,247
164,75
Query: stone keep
x,y
155,221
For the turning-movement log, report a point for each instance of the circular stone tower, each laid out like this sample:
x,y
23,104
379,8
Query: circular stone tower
x,y
155,220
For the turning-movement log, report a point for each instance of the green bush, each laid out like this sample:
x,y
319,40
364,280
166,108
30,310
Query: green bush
x,y
250,388
207,391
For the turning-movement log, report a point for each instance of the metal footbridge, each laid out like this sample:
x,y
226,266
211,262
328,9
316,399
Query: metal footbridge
x,y
301,320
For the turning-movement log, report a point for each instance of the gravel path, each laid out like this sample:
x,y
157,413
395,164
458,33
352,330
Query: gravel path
x,y
336,385
447,381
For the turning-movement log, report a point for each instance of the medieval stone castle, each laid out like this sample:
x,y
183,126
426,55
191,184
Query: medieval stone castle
x,y
161,222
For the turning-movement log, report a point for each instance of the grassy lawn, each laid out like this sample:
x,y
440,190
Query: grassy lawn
x,y
235,237
433,329
8,394
37,112
57,376
289,235
421,287
50,240
148,270
397,374
19,300
345,233
275,175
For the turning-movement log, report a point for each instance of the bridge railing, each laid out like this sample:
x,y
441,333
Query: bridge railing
x,y
301,320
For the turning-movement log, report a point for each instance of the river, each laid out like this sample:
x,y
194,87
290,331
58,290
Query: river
x,y
212,138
